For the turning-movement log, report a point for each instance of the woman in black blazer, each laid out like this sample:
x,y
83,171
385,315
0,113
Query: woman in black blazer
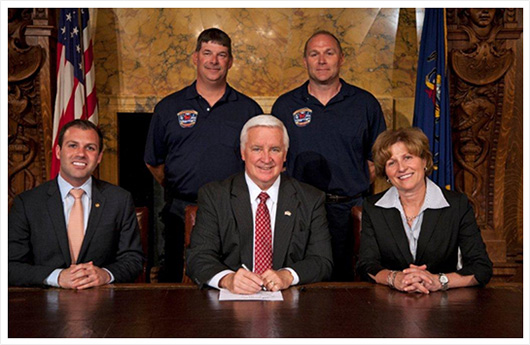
x,y
415,236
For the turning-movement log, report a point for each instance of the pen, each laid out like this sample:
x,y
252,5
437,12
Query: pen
x,y
246,268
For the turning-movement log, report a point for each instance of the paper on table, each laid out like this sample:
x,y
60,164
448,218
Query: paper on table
x,y
225,295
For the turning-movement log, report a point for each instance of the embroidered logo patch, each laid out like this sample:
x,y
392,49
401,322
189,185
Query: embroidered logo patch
x,y
302,117
187,118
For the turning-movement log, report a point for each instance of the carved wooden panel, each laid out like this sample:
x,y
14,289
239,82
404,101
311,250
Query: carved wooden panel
x,y
513,204
482,46
29,97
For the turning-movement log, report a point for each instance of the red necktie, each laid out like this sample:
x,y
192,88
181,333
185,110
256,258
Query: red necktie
x,y
76,225
263,237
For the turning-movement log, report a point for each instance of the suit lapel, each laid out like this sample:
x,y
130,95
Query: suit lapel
x,y
395,224
430,221
96,210
285,216
56,212
240,204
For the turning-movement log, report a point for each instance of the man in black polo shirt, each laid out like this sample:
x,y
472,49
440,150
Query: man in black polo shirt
x,y
332,126
194,139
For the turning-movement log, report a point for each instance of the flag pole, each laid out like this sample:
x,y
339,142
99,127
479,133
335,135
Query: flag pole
x,y
83,61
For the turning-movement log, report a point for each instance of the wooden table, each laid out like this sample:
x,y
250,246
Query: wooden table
x,y
329,310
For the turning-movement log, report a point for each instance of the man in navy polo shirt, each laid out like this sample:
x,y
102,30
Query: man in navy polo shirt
x,y
194,139
332,126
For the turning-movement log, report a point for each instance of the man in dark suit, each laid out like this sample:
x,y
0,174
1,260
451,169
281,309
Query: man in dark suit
x,y
74,231
260,229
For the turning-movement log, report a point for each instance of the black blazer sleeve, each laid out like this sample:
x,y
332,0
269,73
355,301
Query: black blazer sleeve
x,y
314,242
475,260
205,257
22,268
369,252
126,259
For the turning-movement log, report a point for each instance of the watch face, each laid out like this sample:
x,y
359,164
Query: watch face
x,y
443,279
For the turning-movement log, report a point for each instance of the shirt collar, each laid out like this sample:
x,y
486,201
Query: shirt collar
x,y
434,198
192,93
345,90
254,190
64,187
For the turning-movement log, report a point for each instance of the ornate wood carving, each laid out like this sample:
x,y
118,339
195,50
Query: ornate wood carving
x,y
482,51
29,98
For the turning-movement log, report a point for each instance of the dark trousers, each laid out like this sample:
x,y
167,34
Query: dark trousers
x,y
340,225
172,262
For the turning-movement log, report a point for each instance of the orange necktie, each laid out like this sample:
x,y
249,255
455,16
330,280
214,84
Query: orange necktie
x,y
76,225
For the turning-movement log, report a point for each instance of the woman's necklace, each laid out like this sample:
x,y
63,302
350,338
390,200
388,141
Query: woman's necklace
x,y
410,219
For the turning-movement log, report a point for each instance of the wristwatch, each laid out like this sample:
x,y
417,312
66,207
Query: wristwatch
x,y
444,281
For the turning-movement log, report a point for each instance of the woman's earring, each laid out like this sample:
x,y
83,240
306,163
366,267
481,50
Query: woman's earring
x,y
388,180
425,169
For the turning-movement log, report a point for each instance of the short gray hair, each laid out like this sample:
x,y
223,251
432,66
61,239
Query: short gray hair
x,y
263,121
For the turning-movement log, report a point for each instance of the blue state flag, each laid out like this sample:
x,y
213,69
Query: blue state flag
x,y
431,107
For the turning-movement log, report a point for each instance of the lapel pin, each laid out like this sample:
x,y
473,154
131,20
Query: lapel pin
x,y
97,204
287,213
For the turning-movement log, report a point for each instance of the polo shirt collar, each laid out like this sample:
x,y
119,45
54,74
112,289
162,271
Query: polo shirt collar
x,y
345,91
229,94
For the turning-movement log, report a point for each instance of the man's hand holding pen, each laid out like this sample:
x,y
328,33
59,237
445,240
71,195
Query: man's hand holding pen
x,y
243,282
246,268
246,282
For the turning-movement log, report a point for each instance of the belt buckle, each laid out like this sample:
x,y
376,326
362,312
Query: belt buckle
x,y
332,197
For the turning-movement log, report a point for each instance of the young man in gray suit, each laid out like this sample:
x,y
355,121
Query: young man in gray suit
x,y
75,231
260,229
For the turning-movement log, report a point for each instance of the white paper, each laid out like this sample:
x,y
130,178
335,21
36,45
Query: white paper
x,y
225,295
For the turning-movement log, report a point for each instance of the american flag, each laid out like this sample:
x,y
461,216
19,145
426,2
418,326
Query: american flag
x,y
76,93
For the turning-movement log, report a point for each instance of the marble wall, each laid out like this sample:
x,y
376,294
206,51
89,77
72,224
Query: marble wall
x,y
142,55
